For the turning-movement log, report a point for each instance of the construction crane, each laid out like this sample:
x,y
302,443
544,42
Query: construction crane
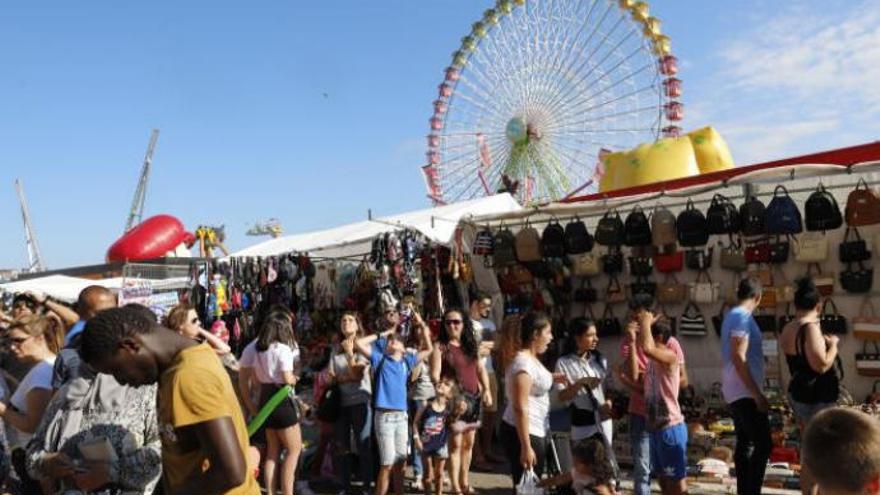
x,y
35,258
271,227
136,214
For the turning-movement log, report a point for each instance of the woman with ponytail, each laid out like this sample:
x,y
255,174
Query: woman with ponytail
x,y
527,387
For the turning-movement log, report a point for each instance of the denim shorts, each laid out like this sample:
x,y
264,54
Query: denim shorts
x,y
805,412
392,436
441,453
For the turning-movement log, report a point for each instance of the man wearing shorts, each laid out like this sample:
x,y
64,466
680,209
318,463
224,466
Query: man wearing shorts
x,y
662,383
392,365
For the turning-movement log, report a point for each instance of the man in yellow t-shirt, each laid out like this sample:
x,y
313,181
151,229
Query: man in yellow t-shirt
x,y
204,438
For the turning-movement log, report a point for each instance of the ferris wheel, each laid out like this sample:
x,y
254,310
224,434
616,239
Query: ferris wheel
x,y
539,91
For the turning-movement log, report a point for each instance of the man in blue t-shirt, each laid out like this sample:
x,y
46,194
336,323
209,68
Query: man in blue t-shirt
x,y
742,379
392,366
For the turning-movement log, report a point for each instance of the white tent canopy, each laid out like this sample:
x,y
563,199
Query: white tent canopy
x,y
438,224
60,287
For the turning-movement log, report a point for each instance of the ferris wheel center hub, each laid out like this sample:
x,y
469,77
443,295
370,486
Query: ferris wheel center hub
x,y
518,132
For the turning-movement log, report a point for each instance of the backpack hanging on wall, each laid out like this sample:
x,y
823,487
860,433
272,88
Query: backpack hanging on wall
x,y
577,238
636,228
610,231
691,227
782,216
862,206
663,227
553,240
722,216
528,245
751,215
821,211
505,248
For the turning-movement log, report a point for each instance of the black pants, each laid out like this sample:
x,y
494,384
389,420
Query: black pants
x,y
752,446
510,439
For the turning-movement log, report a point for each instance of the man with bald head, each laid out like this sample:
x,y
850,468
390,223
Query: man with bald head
x,y
91,301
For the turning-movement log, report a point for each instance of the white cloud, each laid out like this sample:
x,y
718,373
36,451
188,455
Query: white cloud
x,y
795,83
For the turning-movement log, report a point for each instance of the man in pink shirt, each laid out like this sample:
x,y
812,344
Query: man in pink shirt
x,y
640,445
662,382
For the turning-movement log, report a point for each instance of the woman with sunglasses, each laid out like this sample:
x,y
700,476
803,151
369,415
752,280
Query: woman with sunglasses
x,y
184,320
35,340
457,356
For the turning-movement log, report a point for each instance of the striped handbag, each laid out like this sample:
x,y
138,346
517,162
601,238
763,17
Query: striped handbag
x,y
691,323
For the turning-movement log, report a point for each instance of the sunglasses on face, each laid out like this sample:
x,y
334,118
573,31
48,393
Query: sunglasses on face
x,y
453,322
17,341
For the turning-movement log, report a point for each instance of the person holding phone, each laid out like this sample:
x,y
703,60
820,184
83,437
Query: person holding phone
x,y
585,370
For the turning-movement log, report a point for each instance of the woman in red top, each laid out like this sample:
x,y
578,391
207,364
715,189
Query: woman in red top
x,y
457,357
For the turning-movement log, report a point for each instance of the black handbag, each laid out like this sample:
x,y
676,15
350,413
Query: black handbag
x,y
698,259
767,323
612,263
577,238
832,322
852,251
641,267
610,231
857,280
642,285
786,317
608,325
718,320
586,293
330,403
779,252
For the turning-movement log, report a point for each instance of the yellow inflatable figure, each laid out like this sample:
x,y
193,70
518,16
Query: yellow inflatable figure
x,y
711,150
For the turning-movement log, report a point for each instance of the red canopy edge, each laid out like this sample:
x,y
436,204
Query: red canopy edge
x,y
843,157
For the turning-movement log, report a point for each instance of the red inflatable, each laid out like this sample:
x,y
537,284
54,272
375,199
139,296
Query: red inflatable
x,y
150,239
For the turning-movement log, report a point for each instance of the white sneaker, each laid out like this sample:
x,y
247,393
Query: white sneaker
x,y
302,488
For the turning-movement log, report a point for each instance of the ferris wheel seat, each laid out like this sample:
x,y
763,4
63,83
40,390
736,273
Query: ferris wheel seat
x,y
711,150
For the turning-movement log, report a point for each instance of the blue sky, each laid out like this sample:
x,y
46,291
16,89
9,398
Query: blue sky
x,y
247,133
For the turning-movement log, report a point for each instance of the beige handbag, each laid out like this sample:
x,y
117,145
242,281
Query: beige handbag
x,y
784,289
811,248
867,324
703,290
585,264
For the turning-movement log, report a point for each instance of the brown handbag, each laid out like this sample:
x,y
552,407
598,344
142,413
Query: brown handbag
x,y
862,206
671,291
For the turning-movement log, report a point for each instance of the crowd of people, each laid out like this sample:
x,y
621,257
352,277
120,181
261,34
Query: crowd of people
x,y
110,400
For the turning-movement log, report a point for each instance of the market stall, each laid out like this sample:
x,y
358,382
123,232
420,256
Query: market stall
x,y
688,242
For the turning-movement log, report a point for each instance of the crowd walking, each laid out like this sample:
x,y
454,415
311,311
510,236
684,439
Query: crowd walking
x,y
109,400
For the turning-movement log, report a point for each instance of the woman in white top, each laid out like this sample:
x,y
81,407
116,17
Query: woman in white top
x,y
33,340
274,365
586,373
527,386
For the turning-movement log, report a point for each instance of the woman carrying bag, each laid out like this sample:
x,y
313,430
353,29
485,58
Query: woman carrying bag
x,y
811,357
525,423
